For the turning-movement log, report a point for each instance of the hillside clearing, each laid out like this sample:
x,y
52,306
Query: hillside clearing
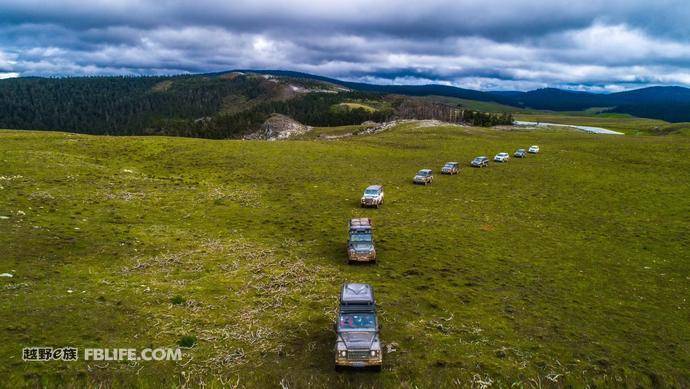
x,y
365,107
566,268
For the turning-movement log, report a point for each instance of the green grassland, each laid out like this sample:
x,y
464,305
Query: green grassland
x,y
596,117
617,122
566,268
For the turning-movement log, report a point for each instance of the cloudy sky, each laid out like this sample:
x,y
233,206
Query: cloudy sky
x,y
598,45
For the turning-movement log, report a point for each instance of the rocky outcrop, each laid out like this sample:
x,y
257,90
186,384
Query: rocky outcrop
x,y
279,127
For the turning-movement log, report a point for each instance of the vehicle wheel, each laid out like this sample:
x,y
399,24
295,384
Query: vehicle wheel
x,y
376,368
338,368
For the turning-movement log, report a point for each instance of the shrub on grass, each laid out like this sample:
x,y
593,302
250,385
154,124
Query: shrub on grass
x,y
187,341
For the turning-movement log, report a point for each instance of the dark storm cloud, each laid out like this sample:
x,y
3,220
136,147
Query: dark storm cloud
x,y
601,45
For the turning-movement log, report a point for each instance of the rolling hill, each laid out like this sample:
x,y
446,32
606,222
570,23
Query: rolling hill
x,y
410,90
218,106
670,103
234,104
667,103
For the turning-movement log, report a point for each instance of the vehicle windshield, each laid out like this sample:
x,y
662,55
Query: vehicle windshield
x,y
362,246
521,150
372,192
448,165
422,173
357,321
359,237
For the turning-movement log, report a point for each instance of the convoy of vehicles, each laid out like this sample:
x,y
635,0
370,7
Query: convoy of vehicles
x,y
501,157
450,168
360,246
373,196
480,161
424,177
357,328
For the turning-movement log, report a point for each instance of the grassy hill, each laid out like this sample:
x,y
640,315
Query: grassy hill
x,y
566,268
214,106
623,123
669,103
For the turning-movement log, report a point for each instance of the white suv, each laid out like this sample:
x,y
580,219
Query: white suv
x,y
533,149
373,196
501,157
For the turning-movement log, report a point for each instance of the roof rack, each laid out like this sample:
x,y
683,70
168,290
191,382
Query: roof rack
x,y
362,223
357,295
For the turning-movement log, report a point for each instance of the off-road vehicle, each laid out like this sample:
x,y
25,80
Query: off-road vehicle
x,y
373,196
520,153
480,162
534,149
424,177
357,328
450,168
360,246
501,157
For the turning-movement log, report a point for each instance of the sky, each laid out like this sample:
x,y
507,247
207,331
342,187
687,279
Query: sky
x,y
589,45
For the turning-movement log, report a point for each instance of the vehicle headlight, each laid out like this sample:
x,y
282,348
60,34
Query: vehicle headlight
x,y
343,353
374,353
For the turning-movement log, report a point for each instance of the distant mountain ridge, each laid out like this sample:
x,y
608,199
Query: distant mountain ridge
x,y
410,90
670,103
219,106
227,104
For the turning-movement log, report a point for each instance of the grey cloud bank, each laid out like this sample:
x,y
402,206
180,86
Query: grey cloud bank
x,y
524,44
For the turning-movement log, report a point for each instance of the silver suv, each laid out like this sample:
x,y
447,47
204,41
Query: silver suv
x,y
424,177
